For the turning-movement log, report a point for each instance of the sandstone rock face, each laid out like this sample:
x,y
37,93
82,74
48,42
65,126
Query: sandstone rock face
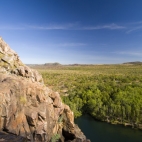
x,y
11,64
28,108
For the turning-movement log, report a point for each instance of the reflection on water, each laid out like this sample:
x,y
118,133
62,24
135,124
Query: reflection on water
x,y
103,132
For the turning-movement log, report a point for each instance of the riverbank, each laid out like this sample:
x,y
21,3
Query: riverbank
x,y
116,122
98,131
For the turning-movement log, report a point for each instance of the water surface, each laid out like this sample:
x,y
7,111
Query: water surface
x,y
98,131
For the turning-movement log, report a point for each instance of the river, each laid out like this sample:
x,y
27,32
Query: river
x,y
98,131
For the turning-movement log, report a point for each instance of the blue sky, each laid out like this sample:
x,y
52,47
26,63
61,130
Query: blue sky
x,y
73,31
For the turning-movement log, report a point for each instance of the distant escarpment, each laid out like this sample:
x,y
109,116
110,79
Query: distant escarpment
x,y
28,109
133,63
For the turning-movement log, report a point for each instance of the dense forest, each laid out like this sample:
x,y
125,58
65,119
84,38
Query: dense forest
x,y
111,93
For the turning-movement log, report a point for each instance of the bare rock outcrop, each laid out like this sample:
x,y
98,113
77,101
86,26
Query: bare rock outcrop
x,y
11,64
29,109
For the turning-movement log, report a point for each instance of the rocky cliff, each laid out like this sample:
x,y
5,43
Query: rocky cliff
x,y
28,109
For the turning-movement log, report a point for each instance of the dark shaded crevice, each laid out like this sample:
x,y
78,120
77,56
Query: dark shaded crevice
x,y
4,124
67,135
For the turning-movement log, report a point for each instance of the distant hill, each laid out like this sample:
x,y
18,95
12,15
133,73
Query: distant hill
x,y
52,64
134,63
58,65
46,64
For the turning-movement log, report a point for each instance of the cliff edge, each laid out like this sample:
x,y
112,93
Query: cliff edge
x,y
28,109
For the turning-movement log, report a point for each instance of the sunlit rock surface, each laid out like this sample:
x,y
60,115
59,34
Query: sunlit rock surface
x,y
28,109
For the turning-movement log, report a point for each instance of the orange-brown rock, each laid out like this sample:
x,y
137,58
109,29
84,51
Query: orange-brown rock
x,y
28,108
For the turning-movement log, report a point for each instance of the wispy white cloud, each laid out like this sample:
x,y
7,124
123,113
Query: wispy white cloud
x,y
10,27
135,23
132,53
134,29
53,26
110,27
67,26
67,44
75,26
57,27
134,26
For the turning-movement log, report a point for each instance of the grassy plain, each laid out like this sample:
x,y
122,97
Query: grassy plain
x,y
107,92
